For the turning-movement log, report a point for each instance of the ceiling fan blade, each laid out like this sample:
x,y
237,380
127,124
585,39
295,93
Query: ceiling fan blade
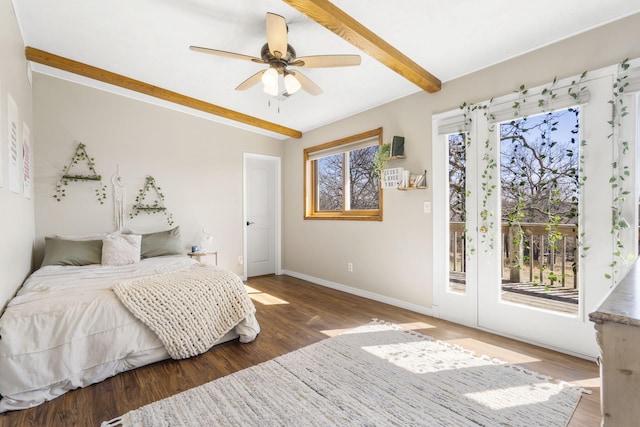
x,y
306,83
277,35
326,61
226,54
251,81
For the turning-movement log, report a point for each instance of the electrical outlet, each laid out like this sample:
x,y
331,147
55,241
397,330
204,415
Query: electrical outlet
x,y
350,267
427,207
240,260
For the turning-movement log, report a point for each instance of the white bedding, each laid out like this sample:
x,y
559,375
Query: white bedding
x,y
66,329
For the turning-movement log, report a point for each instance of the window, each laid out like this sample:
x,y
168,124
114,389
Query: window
x,y
340,180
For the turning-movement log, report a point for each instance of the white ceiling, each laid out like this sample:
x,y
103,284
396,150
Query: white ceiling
x,y
148,40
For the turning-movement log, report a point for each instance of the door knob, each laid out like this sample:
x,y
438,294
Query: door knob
x,y
249,223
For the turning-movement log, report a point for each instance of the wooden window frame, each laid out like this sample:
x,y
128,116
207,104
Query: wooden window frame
x,y
310,183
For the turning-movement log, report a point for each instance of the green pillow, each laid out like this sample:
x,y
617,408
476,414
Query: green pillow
x,y
71,252
161,243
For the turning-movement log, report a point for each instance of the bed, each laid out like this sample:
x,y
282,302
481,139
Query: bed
x,y
70,326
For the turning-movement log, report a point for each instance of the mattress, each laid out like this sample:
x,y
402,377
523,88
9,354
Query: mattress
x,y
67,329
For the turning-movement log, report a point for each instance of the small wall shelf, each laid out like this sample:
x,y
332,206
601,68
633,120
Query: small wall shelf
x,y
417,183
199,255
411,188
82,177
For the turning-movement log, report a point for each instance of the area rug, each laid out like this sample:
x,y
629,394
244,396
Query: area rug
x,y
374,375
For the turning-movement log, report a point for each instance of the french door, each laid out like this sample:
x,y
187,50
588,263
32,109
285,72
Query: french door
x,y
517,249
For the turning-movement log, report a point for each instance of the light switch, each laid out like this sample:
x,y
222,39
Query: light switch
x,y
427,207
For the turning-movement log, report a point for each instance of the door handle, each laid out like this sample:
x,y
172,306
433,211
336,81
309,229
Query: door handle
x,y
249,223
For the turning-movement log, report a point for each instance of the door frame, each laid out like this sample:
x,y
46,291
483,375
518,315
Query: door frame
x,y
277,241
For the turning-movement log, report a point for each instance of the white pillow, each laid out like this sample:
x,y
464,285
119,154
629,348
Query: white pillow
x,y
121,249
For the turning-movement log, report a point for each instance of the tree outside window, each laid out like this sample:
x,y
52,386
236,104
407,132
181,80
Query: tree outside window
x,y
340,179
539,168
540,183
457,178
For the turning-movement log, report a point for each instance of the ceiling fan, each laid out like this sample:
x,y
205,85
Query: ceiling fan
x,y
280,55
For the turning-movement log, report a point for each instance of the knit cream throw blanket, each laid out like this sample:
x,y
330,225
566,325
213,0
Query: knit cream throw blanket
x,y
189,310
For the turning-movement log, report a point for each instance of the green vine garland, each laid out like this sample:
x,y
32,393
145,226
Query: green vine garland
x,y
157,206
576,89
79,156
380,159
515,217
487,184
549,124
486,215
618,174
467,109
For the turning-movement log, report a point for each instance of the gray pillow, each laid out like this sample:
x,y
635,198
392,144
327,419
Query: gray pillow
x,y
161,243
71,252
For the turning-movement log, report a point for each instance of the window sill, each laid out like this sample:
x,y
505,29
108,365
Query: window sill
x,y
344,216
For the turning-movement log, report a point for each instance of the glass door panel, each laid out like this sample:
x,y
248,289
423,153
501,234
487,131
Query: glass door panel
x,y
539,184
457,213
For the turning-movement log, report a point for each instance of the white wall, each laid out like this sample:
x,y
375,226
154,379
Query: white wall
x,y
392,259
16,212
389,257
196,162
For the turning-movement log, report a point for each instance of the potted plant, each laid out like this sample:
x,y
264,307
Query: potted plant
x,y
380,159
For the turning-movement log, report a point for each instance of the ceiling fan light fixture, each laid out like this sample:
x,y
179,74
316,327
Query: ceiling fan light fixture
x,y
278,54
291,84
270,78
271,90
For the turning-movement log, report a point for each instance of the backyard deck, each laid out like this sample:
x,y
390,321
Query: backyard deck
x,y
527,260
557,298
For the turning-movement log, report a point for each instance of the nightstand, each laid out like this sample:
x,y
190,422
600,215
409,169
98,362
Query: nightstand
x,y
199,255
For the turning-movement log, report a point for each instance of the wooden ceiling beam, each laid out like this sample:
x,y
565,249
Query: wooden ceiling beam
x,y
65,64
328,15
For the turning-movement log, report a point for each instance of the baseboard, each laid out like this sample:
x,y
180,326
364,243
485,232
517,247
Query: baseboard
x,y
361,293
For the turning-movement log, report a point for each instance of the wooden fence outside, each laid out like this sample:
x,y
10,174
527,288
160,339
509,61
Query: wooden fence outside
x,y
532,258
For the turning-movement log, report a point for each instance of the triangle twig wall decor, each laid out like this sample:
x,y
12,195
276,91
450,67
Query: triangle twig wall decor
x,y
80,168
150,200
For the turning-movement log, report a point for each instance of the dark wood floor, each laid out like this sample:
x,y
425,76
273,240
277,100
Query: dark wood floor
x,y
294,313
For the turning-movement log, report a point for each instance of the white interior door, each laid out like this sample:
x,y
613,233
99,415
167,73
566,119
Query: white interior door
x,y
262,214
